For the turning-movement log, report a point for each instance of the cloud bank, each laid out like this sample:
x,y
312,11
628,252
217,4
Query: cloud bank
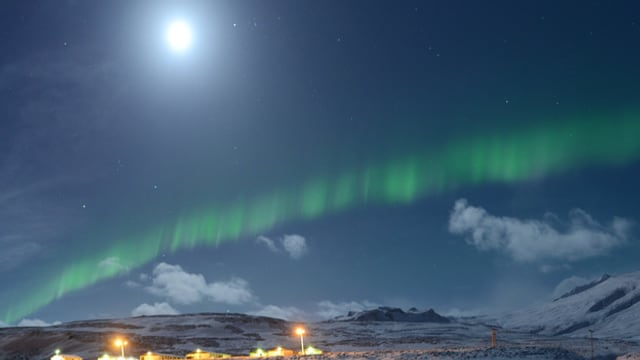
x,y
181,287
36,323
534,240
162,308
329,310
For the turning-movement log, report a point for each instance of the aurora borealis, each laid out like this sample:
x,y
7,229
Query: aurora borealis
x,y
120,153
507,157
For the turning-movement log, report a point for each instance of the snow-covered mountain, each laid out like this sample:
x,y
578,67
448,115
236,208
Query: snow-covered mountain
x,y
385,313
610,306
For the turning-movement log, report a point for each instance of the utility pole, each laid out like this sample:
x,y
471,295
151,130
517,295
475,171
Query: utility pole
x,y
591,338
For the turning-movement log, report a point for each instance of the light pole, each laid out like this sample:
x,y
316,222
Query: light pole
x,y
121,343
591,338
300,332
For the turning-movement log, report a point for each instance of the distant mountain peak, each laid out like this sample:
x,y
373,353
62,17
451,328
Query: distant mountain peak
x,y
386,313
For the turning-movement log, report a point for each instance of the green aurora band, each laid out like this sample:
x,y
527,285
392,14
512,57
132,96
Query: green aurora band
x,y
506,157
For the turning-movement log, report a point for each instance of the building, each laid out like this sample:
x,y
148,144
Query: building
x,y
280,351
258,353
156,356
199,354
312,351
59,356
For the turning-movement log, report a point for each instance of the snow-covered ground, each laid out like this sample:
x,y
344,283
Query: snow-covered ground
x,y
528,353
558,330
238,334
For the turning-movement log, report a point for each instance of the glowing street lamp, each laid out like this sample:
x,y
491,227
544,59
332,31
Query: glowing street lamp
x,y
57,355
121,343
300,332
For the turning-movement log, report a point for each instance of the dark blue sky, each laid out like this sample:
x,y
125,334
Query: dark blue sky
x,y
105,133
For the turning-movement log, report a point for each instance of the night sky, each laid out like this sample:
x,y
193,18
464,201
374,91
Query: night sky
x,y
299,159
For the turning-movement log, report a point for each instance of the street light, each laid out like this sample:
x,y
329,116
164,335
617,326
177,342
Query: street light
x,y
300,332
121,343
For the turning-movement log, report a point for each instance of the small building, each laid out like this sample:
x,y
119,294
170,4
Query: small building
x,y
258,353
312,351
157,356
280,351
110,357
59,356
204,355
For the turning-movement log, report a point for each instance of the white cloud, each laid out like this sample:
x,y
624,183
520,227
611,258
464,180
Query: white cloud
x,y
172,282
113,264
533,240
288,313
295,245
131,284
270,244
3,324
36,323
329,310
567,285
162,308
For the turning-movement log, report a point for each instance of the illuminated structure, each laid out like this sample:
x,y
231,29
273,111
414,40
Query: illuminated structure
x,y
258,353
59,356
109,357
300,332
313,351
121,343
280,351
199,354
156,356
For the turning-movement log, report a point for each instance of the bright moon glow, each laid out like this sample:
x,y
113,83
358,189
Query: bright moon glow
x,y
179,36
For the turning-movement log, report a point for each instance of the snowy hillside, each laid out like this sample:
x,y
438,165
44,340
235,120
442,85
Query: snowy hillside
x,y
609,306
559,329
238,334
179,334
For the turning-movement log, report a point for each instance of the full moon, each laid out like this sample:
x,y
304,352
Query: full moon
x,y
179,36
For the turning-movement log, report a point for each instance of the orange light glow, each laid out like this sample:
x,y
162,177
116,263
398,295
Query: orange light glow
x,y
300,331
120,342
